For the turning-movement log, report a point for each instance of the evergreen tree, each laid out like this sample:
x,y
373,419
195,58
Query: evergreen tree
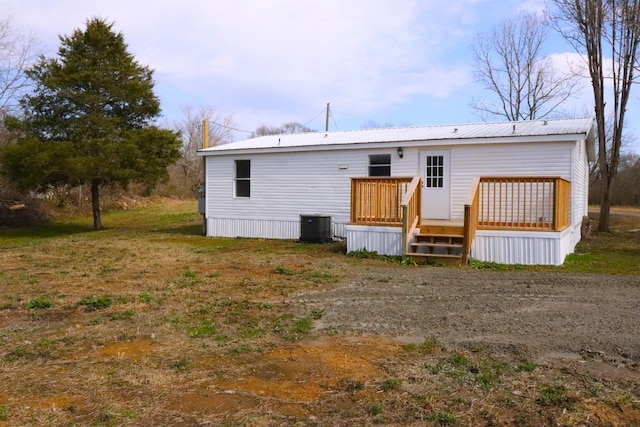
x,y
89,120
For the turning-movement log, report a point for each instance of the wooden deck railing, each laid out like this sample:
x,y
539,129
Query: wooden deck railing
x,y
377,201
523,203
411,210
470,219
562,217
493,203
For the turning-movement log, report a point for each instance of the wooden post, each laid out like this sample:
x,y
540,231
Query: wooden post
x,y
405,229
326,123
203,177
556,198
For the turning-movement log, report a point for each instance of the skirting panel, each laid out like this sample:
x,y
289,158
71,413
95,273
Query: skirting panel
x,y
529,248
383,240
261,228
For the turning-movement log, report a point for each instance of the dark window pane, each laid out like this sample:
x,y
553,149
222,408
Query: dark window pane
x,y
379,170
243,168
243,188
380,165
380,159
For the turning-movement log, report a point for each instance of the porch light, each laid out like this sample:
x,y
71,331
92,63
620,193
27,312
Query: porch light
x,y
400,152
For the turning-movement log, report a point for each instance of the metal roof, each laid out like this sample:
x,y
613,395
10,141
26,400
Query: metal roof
x,y
578,128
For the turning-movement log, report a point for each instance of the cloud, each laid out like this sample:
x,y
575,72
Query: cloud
x,y
280,57
269,62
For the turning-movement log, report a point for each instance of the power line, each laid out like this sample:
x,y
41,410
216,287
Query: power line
x,y
319,114
334,120
229,127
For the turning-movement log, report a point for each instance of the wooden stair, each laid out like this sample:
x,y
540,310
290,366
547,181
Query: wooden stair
x,y
441,241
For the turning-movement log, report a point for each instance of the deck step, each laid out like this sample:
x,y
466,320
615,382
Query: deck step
x,y
446,246
436,245
453,256
448,236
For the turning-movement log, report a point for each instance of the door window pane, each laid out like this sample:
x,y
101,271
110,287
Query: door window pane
x,y
434,173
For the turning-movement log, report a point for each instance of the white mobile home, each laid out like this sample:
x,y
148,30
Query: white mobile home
x,y
512,192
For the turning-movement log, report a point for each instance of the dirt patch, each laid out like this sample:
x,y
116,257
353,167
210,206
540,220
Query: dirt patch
x,y
518,314
213,403
306,372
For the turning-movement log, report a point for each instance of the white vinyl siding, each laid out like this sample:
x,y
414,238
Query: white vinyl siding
x,y
306,180
283,187
531,159
579,184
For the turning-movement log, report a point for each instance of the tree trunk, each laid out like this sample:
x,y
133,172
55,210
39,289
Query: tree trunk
x,y
605,205
95,204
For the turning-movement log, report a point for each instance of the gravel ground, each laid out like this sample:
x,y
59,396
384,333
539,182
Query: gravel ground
x,y
515,314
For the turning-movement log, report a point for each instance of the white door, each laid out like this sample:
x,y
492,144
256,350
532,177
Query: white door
x,y
436,186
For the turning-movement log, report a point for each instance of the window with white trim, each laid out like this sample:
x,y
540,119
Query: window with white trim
x,y
380,165
243,178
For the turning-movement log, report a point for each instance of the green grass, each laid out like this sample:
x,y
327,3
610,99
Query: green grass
x,y
443,418
391,384
616,252
92,303
40,303
555,395
429,345
155,217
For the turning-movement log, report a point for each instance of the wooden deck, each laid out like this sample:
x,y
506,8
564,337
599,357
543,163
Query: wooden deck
x,y
493,203
441,222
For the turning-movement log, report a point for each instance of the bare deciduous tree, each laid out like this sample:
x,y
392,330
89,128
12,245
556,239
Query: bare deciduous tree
x,y
371,124
626,192
605,30
286,128
190,128
16,54
509,62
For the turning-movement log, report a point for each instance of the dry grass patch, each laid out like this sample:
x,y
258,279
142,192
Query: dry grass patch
x,y
149,323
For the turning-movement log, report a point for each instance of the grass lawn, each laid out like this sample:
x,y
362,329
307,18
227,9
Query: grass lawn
x,y
150,323
617,252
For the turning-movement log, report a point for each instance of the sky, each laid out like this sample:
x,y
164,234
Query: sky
x,y
268,62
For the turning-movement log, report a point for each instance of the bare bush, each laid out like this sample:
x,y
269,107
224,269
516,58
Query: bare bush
x,y
19,210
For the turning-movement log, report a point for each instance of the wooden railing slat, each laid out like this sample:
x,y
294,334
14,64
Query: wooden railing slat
x,y
502,203
532,203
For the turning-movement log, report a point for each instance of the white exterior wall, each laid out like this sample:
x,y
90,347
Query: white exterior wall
x,y
579,189
283,187
383,240
543,159
287,185
499,159
521,247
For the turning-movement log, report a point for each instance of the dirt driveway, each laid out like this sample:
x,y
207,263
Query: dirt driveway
x,y
520,315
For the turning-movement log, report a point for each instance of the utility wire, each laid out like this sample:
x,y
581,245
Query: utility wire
x,y
319,114
229,127
334,120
